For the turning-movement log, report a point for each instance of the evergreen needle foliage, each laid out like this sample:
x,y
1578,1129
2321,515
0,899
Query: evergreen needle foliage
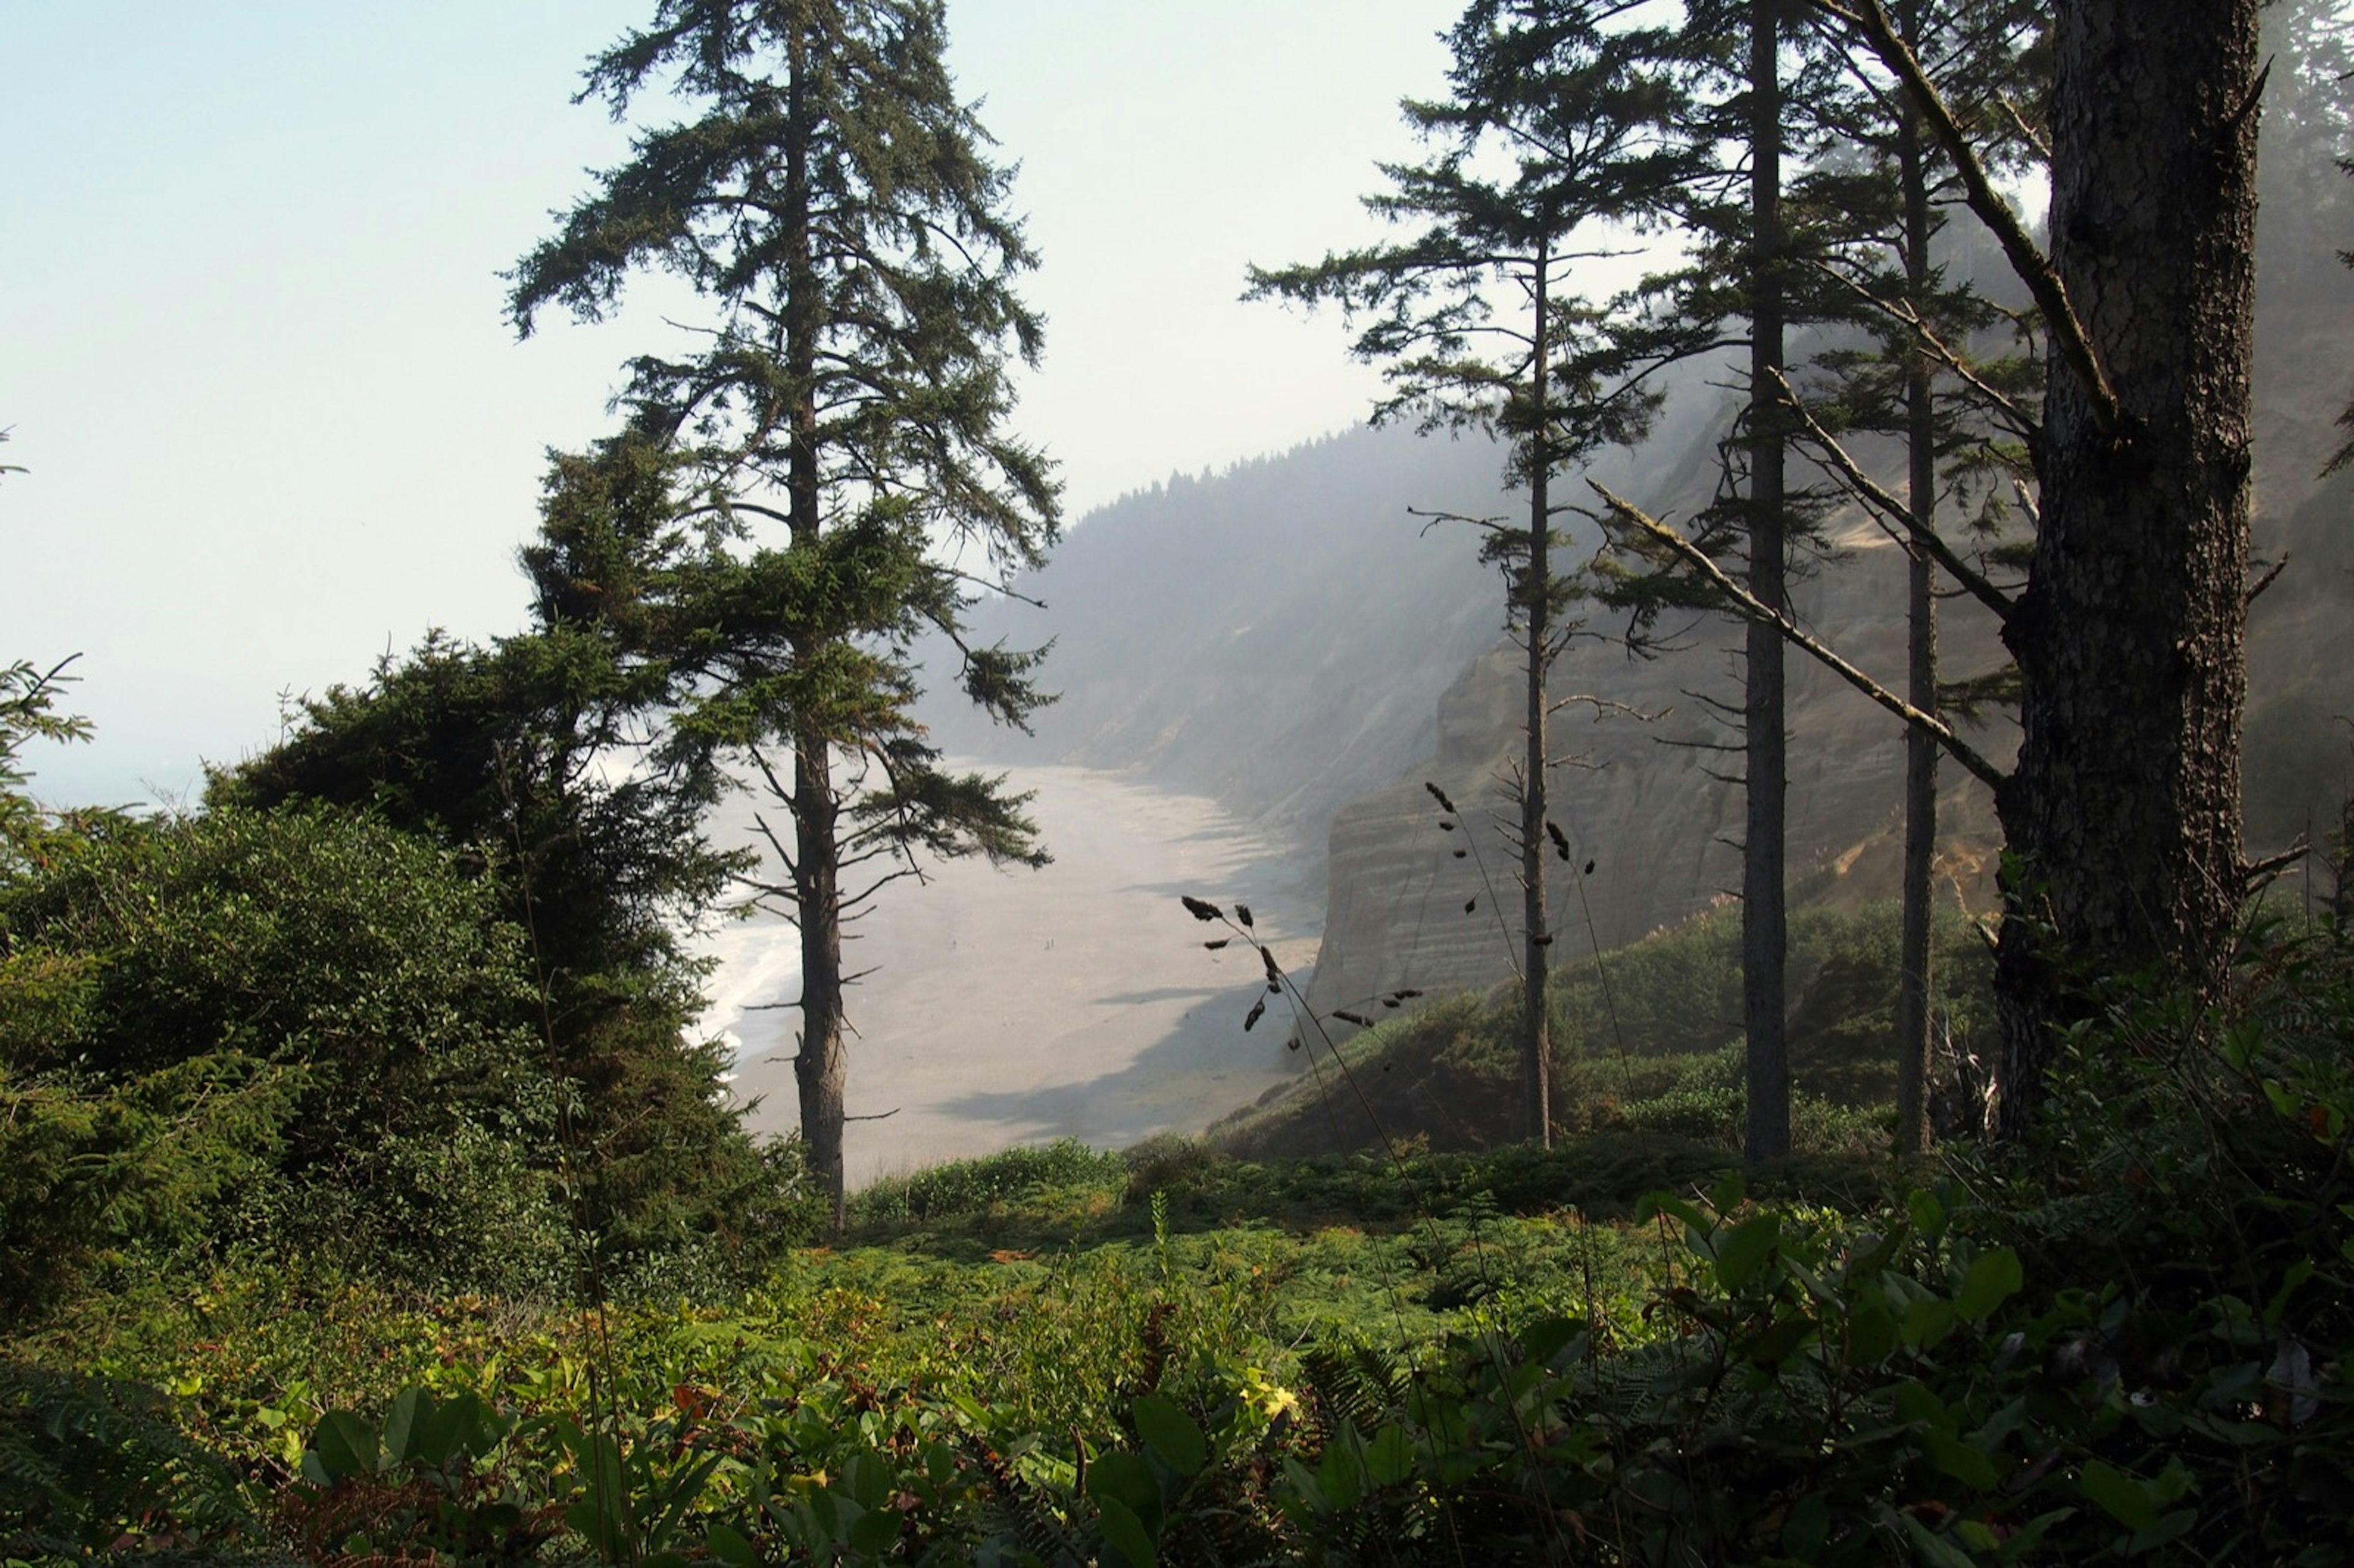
x,y
787,478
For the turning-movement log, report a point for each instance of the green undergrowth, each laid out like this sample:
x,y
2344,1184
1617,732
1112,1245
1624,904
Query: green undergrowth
x,y
1014,1309
2125,1339
1647,1039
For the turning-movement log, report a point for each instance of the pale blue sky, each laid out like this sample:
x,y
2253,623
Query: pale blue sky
x,y
250,341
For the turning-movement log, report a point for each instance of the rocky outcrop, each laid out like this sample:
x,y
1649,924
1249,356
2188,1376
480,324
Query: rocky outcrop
x,y
1648,804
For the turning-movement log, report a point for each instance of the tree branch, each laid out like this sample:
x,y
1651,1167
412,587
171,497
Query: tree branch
x,y
1870,493
2022,422
1747,605
2034,269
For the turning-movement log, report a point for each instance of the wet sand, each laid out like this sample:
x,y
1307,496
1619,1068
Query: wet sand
x,y
1015,1006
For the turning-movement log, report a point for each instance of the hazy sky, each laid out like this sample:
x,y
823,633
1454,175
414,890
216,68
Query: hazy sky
x,y
251,343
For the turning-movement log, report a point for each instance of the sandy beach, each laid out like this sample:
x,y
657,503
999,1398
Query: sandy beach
x,y
1016,1006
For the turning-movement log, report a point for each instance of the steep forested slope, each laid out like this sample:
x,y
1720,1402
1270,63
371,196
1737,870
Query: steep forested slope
x,y
1275,636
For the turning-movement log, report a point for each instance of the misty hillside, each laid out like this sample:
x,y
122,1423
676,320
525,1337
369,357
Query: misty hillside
x,y
1287,638
1275,636
1278,636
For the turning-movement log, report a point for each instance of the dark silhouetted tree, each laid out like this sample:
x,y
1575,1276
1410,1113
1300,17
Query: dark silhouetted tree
x,y
1562,123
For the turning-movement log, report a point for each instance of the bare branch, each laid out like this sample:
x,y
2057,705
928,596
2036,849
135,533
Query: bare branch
x,y
1606,707
1747,605
2034,269
776,785
777,844
2027,503
2027,133
867,893
993,584
1873,495
2263,873
2272,576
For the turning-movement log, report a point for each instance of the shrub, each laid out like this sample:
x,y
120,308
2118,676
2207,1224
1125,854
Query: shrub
x,y
301,1024
973,1186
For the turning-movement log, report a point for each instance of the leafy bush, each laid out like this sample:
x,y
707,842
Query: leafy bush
x,y
493,755
967,1186
89,1464
2128,1341
304,1025
1641,1038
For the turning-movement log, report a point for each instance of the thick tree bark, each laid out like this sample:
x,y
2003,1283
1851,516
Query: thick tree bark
x,y
1764,939
2124,813
1913,1131
1536,1062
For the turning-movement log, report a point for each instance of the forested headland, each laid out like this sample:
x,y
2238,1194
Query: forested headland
x,y
372,1192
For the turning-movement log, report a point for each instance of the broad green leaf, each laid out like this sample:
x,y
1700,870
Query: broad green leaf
x,y
1959,1460
1390,1456
2124,1499
1870,1334
2294,1276
1993,1280
602,1529
1873,1259
1171,1434
1739,1254
1655,1203
875,1532
345,1445
412,1410
1929,1214
728,1546
1927,1322
1547,1340
1807,1528
1920,1405
1773,1345
1934,1549
2168,1528
1125,1534
1340,1474
1125,1479
1305,1484
865,1480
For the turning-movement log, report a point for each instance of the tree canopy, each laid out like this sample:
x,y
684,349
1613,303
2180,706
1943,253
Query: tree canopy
x,y
830,444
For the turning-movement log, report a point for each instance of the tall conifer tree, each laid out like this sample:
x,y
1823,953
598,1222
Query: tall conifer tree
x,y
1764,921
836,205
2123,815
1561,121
1961,419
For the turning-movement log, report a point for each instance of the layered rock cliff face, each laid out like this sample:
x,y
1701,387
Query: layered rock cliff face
x,y
1650,803
1654,806
1275,636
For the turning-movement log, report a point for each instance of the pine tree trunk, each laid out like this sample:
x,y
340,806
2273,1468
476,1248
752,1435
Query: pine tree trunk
x,y
821,1070
2124,813
1763,923
1913,993
1536,1009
